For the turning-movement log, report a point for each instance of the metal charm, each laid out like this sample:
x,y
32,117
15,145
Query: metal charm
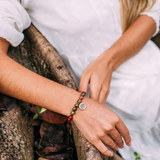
x,y
82,106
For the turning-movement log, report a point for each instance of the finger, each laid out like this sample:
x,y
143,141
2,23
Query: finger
x,y
121,127
109,142
116,137
95,89
103,96
103,149
84,81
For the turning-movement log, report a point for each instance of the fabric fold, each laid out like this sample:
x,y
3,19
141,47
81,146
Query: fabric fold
x,y
13,19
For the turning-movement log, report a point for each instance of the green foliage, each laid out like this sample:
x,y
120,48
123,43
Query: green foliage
x,y
35,116
137,156
39,111
42,110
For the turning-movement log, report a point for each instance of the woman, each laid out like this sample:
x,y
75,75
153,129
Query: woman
x,y
89,37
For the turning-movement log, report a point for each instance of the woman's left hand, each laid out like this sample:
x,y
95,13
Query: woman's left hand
x,y
98,75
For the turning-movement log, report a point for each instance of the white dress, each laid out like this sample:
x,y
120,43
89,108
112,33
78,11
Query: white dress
x,y
81,30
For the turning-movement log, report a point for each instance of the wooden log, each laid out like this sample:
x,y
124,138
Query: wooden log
x,y
17,138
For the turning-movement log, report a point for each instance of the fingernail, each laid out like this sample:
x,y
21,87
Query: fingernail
x,y
121,147
117,149
129,143
111,155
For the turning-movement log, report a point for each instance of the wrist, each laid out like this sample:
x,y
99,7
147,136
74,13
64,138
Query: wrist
x,y
107,61
70,101
110,59
78,105
82,113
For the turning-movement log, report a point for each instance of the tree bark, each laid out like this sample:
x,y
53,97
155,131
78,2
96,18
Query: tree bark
x,y
16,136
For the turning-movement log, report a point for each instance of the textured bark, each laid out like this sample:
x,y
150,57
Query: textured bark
x,y
16,136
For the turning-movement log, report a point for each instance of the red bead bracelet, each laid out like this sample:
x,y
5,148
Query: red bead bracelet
x,y
78,104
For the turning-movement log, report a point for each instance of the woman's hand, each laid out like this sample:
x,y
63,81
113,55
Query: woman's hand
x,y
98,123
98,75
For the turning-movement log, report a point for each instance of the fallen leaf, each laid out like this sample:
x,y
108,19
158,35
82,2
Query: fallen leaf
x,y
65,154
44,126
6,102
48,150
55,134
34,122
37,145
49,116
47,143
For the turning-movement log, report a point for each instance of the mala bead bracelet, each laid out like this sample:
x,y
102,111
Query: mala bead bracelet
x,y
79,104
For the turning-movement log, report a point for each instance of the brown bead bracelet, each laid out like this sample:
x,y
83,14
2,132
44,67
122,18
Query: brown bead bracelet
x,y
79,104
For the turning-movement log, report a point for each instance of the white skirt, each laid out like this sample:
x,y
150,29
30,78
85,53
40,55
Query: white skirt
x,y
135,97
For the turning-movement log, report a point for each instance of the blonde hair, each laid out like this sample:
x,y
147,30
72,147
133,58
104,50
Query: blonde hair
x,y
131,9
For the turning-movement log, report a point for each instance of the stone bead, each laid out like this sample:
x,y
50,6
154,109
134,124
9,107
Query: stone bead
x,y
81,97
83,94
77,105
70,118
79,100
72,113
74,108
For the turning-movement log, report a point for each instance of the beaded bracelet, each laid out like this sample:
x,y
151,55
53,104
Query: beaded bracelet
x,y
79,105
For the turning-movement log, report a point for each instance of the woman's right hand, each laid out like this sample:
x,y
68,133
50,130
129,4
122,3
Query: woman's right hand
x,y
98,123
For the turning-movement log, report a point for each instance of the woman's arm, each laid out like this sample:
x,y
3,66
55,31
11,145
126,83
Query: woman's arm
x,y
97,123
132,41
21,83
99,72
